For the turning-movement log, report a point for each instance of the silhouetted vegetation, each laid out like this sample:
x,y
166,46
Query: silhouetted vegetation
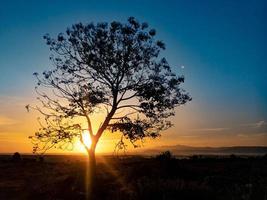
x,y
16,157
137,178
165,156
112,68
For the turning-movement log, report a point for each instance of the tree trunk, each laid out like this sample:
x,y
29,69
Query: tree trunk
x,y
90,174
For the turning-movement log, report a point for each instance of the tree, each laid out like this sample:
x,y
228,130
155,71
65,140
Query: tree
x,y
16,157
114,68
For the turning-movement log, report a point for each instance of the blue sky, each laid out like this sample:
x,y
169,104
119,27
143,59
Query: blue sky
x,y
221,44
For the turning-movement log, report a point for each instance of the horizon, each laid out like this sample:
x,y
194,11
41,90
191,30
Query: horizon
x,y
146,151
218,46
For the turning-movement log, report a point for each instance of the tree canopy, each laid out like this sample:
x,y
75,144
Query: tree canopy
x,y
115,68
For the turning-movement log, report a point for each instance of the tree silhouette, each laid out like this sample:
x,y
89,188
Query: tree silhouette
x,y
114,68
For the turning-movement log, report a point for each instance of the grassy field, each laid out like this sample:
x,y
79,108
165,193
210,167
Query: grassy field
x,y
136,177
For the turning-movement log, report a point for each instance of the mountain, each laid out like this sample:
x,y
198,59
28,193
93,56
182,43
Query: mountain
x,y
189,150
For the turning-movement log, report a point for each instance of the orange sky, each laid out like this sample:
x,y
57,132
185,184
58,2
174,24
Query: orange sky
x,y
16,125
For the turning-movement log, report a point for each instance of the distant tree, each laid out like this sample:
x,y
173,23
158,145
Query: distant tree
x,y
165,156
114,68
16,157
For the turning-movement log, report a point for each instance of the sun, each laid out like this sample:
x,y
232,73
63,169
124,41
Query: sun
x,y
79,147
87,139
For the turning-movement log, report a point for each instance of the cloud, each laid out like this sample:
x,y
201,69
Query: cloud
x,y
252,135
188,136
6,100
258,124
6,121
210,129
261,134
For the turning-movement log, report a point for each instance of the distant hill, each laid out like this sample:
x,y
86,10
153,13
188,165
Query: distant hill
x,y
189,150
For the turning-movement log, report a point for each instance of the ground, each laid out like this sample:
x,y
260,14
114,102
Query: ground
x,y
136,177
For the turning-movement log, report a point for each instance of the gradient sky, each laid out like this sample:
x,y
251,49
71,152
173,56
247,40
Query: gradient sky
x,y
220,47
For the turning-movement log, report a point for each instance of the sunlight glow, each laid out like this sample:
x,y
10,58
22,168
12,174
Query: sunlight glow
x,y
87,139
105,145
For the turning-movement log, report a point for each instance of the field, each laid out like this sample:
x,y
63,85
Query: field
x,y
136,177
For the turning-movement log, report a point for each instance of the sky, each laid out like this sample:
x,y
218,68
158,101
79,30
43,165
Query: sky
x,y
219,46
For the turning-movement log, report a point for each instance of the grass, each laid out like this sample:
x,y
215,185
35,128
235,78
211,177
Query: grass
x,y
135,177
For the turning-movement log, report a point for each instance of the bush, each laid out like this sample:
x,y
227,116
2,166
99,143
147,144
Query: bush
x,y
166,155
16,157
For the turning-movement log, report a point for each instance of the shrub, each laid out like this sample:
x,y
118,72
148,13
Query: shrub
x,y
16,157
166,155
